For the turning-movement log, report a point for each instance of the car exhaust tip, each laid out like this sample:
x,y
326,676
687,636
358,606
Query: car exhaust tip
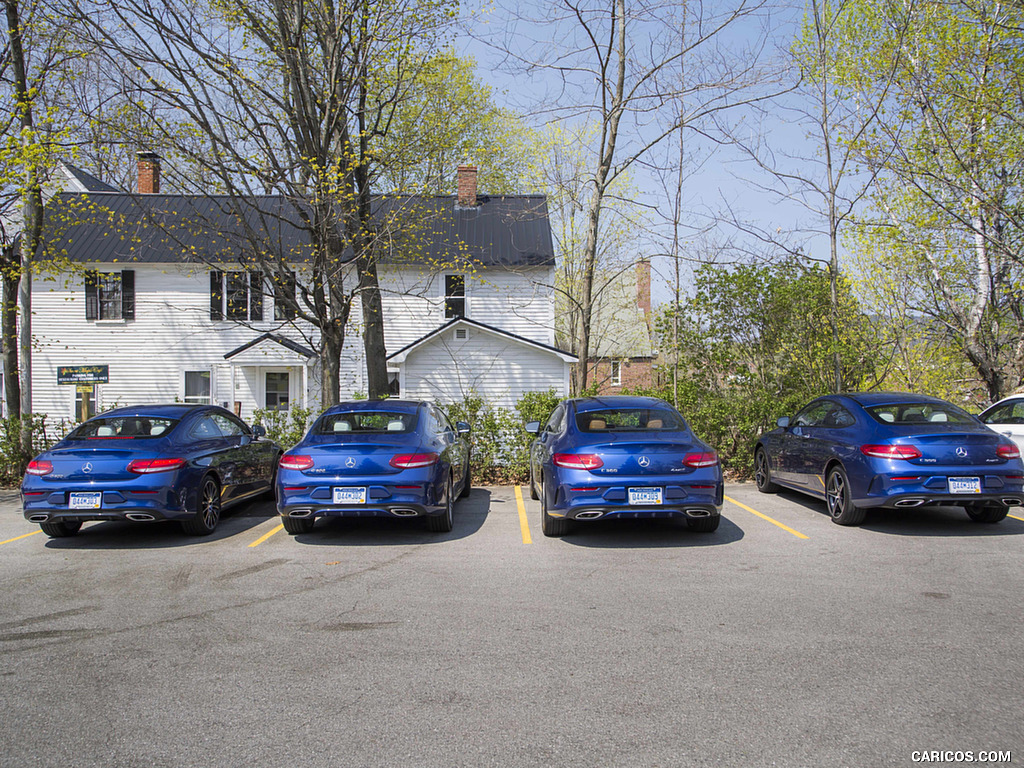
x,y
139,517
589,515
909,503
300,512
1012,501
404,512
698,512
39,518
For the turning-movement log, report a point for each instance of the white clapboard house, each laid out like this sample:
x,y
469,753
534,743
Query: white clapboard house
x,y
143,302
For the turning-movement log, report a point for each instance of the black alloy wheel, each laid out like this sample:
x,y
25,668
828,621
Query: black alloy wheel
x,y
763,473
837,497
208,514
549,525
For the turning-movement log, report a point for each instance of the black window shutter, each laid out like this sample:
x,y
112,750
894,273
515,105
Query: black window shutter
x,y
92,299
216,295
255,295
128,294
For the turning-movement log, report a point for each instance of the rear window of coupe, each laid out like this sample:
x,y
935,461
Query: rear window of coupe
x,y
629,420
123,428
919,413
363,422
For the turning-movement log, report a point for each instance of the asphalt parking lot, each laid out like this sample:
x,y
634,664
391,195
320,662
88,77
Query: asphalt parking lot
x,y
779,640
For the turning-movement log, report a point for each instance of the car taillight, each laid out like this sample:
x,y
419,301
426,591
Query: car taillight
x,y
577,460
149,466
295,462
702,459
413,460
1008,451
891,451
36,467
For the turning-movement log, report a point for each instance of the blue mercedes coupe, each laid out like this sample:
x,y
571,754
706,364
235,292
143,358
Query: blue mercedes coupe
x,y
149,463
622,457
369,458
891,450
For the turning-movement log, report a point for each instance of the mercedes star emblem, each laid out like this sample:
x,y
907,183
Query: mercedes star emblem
x,y
87,467
350,462
643,461
961,452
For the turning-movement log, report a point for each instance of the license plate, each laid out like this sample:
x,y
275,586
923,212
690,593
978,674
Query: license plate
x,y
965,485
641,496
349,495
90,500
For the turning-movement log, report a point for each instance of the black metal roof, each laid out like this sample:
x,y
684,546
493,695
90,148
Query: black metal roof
x,y
294,346
477,324
511,231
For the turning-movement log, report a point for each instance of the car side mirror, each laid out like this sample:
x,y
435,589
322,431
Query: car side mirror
x,y
533,427
259,431
462,428
783,422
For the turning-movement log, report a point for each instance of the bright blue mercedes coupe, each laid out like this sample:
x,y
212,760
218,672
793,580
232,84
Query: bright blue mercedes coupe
x,y
146,464
896,450
622,457
369,458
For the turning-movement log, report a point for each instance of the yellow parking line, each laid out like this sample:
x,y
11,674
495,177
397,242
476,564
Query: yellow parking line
x,y
523,525
267,535
1013,516
23,536
765,517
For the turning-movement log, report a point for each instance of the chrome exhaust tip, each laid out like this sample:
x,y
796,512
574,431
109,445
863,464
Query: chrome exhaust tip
x,y
140,517
589,515
404,512
909,503
39,518
1012,502
300,512
698,513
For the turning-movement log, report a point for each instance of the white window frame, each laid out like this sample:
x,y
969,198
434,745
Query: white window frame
x,y
445,296
616,373
197,399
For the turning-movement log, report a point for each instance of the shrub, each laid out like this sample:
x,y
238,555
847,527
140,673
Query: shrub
x,y
12,459
285,428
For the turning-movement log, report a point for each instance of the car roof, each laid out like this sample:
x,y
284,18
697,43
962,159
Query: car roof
x,y
389,404
165,410
617,401
891,398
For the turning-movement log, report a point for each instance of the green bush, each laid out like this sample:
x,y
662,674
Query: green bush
x,y
500,453
285,428
12,459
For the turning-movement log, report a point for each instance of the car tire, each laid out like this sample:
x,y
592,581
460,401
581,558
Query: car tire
x,y
987,513
296,525
60,530
837,497
208,514
703,524
763,473
533,486
549,525
444,522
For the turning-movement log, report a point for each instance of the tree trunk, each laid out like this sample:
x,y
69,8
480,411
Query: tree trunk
x,y
9,338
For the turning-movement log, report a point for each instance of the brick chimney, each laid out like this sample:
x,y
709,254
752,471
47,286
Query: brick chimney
x,y
149,173
643,286
467,186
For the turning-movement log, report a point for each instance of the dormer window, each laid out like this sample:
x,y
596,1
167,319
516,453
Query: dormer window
x,y
454,296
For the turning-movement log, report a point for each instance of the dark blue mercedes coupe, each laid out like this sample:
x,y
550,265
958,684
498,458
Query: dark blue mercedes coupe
x,y
149,463
891,450
622,457
370,458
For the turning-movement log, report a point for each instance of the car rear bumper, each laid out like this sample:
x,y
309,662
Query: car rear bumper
x,y
591,501
911,500
134,506
381,501
889,490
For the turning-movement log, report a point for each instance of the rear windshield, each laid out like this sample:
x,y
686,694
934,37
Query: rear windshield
x,y
365,421
123,428
920,413
629,420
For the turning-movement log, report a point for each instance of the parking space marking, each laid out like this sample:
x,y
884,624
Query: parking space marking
x,y
1013,516
23,536
267,535
524,526
765,517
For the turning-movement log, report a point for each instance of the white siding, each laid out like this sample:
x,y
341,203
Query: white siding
x,y
486,365
518,301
